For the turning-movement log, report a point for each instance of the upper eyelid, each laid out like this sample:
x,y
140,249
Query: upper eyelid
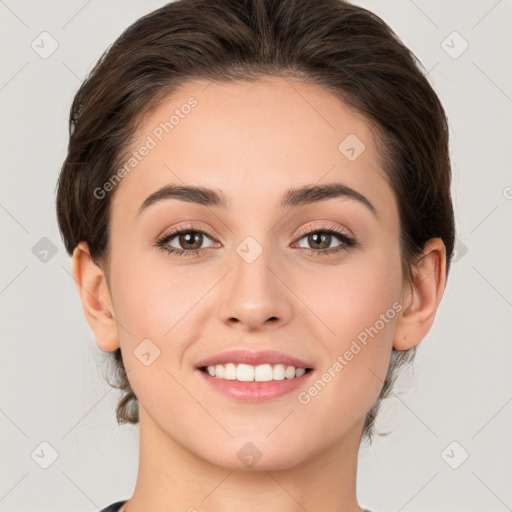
x,y
332,229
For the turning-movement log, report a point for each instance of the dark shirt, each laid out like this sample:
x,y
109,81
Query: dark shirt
x,y
116,506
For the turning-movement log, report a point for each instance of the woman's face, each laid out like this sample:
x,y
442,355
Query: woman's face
x,y
265,275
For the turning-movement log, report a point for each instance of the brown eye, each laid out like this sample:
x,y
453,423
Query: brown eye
x,y
185,242
319,240
190,240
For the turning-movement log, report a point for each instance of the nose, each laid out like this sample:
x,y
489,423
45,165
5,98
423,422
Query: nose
x,y
254,296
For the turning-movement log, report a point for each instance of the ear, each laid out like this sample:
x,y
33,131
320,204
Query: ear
x,y
421,297
91,283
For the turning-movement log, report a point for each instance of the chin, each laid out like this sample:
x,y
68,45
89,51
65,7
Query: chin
x,y
256,455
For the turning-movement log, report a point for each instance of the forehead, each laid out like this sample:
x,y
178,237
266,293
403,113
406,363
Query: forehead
x,y
258,137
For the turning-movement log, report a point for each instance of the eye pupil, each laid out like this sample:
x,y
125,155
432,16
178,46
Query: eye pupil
x,y
319,239
189,238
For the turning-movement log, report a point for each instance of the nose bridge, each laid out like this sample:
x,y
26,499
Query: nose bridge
x,y
253,293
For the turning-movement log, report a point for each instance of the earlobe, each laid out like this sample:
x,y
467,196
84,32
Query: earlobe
x,y
94,294
422,300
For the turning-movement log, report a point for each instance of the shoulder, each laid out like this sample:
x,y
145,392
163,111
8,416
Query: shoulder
x,y
114,507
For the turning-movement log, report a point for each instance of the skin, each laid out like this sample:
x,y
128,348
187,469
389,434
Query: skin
x,y
253,141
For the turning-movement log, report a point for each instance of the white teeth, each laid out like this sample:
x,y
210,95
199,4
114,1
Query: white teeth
x,y
278,373
263,373
299,372
245,373
249,373
218,370
290,372
229,371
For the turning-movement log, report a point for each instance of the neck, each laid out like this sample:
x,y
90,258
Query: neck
x,y
172,478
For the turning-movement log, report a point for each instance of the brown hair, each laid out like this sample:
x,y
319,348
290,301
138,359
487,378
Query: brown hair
x,y
342,47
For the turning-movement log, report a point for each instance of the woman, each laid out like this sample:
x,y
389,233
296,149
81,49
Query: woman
x,y
256,198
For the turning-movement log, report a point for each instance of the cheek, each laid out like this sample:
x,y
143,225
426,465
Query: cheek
x,y
351,297
358,309
151,299
156,309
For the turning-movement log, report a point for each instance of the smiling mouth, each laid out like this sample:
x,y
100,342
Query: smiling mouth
x,y
250,373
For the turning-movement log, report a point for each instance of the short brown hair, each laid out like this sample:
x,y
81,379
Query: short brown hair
x,y
343,47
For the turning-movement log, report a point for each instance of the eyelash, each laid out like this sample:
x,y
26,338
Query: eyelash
x,y
347,241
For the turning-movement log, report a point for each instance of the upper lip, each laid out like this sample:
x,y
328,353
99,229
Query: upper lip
x,y
253,358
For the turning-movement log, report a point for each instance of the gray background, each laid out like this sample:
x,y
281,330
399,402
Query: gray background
x,y
52,388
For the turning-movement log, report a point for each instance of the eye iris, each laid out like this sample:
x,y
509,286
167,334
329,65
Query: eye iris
x,y
319,239
191,237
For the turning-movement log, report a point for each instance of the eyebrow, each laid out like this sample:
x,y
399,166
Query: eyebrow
x,y
292,198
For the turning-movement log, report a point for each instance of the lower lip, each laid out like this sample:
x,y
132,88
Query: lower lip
x,y
256,391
